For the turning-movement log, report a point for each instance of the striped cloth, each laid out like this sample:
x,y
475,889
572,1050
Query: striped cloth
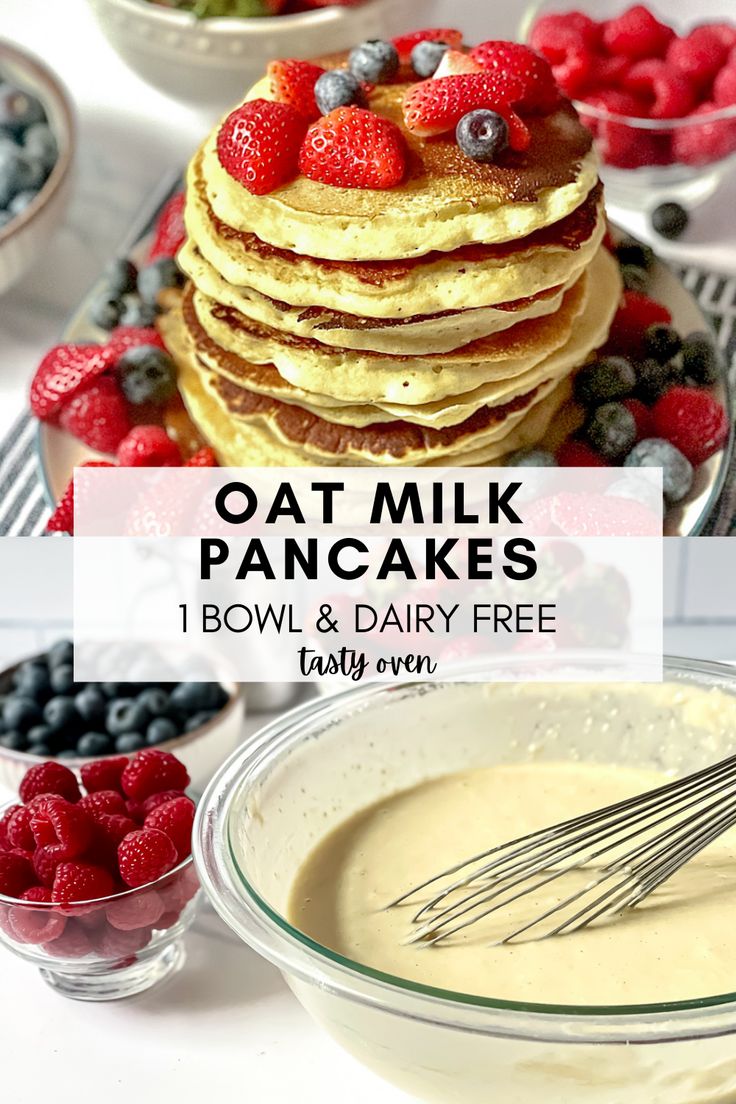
x,y
24,510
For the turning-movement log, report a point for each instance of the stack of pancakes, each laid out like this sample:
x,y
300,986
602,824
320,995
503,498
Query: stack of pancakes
x,y
437,322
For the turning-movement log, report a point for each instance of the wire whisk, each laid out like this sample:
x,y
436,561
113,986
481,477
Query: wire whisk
x,y
630,848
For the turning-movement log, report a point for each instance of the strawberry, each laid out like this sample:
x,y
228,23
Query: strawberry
x,y
406,43
97,415
123,338
354,148
62,372
292,82
148,446
204,458
258,144
436,106
454,63
534,71
62,519
169,234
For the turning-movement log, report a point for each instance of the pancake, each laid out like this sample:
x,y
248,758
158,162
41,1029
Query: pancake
x,y
413,335
446,200
471,276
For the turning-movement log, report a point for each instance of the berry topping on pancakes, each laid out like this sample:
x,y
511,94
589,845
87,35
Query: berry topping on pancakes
x,y
354,148
292,82
405,43
258,144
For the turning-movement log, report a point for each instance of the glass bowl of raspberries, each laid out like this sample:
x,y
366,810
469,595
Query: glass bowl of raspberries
x,y
658,93
97,883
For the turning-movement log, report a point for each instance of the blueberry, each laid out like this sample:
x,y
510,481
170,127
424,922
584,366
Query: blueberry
x,y
120,278
653,378
21,201
670,220
482,135
677,477
700,358
155,700
531,458
426,57
662,342
14,174
106,312
5,218
632,252
32,680
163,273
126,715
39,734
62,678
117,689
136,313
147,375
199,719
374,61
61,652
611,430
635,278
67,753
160,730
194,697
40,144
131,741
337,88
21,713
602,380
92,744
14,741
18,109
60,714
91,705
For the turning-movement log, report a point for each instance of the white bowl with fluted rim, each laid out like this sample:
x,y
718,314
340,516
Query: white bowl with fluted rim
x,y
211,63
24,238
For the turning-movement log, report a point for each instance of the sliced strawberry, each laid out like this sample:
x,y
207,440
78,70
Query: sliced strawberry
x,y
170,232
123,338
258,144
62,372
97,415
204,458
406,43
292,82
534,72
454,63
436,106
354,148
62,519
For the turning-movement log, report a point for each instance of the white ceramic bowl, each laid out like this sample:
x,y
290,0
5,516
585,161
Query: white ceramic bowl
x,y
212,62
24,238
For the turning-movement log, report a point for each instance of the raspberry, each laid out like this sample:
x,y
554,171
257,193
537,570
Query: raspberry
x,y
115,827
635,315
153,771
726,32
109,942
148,446
36,925
123,338
135,910
104,774
170,232
101,802
19,829
724,86
629,147
292,82
698,56
5,844
62,373
134,810
203,458
576,454
160,798
354,148
258,144
45,862
405,43
179,889
16,874
97,414
80,881
533,70
706,142
642,416
608,72
144,856
436,106
175,819
691,420
49,778
74,942
553,33
56,821
62,519
673,95
637,34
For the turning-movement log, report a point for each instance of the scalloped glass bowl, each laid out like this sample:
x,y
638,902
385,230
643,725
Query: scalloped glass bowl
x,y
646,162
109,948
302,775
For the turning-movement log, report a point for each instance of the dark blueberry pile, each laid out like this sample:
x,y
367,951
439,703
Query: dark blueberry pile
x,y
28,150
130,296
43,711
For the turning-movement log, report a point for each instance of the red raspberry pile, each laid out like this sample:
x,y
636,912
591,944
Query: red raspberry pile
x,y
59,847
634,65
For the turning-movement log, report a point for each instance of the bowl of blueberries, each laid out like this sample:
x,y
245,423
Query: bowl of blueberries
x,y
46,714
37,140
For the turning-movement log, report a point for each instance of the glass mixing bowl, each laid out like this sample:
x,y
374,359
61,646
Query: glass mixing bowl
x,y
303,775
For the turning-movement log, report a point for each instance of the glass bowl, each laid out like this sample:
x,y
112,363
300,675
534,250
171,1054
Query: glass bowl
x,y
306,773
108,948
647,162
